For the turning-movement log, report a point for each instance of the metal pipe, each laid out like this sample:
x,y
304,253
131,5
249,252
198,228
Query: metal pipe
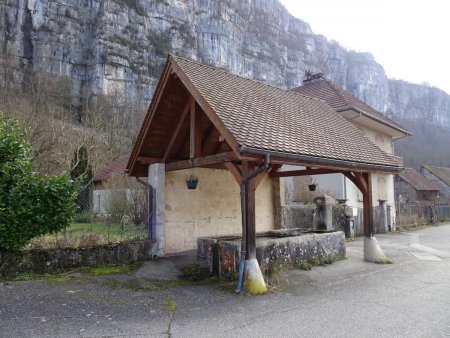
x,y
150,232
244,192
300,157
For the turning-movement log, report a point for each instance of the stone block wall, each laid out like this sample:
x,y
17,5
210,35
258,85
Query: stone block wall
x,y
46,260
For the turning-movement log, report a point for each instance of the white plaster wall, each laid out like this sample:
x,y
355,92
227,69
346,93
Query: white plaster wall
x,y
213,209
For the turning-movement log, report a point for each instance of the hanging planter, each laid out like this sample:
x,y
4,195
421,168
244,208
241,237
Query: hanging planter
x,y
192,181
312,187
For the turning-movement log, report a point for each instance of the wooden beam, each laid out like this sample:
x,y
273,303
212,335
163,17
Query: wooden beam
x,y
234,170
209,133
177,129
207,109
195,132
367,206
258,179
148,160
151,111
202,161
304,172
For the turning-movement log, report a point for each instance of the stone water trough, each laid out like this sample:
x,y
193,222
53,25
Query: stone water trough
x,y
288,246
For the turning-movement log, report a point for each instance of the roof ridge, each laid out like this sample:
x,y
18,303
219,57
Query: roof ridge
x,y
289,91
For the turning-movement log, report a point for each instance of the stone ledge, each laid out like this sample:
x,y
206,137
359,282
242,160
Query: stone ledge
x,y
45,260
221,254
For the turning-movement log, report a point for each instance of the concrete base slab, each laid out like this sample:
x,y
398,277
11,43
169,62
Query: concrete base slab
x,y
373,252
254,280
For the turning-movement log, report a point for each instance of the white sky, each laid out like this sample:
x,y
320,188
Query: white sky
x,y
410,39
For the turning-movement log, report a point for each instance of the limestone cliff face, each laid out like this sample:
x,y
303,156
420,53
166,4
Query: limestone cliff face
x,y
422,103
110,46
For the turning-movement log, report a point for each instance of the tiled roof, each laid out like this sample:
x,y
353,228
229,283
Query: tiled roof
x,y
270,118
116,167
341,100
443,173
417,181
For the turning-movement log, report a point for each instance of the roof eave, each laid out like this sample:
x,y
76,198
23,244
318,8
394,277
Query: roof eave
x,y
351,107
329,162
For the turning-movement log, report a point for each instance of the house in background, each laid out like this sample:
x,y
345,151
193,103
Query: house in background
x,y
116,167
411,187
440,176
377,127
116,171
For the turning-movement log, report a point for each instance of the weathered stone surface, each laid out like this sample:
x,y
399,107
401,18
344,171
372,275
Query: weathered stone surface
x,y
296,216
271,247
42,260
105,46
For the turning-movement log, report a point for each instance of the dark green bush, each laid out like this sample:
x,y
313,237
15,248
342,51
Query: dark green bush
x,y
30,205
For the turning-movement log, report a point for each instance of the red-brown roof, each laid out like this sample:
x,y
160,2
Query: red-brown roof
x,y
116,167
417,181
341,100
443,173
261,116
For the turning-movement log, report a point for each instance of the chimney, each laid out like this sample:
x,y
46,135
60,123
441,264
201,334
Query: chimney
x,y
310,76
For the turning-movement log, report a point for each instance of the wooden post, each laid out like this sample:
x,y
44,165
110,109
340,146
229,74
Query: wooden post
x,y
251,221
367,205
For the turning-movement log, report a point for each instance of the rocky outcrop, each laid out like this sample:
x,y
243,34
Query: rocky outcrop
x,y
110,46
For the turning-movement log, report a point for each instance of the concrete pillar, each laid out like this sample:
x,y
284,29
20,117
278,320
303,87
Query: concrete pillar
x,y
383,216
157,178
254,280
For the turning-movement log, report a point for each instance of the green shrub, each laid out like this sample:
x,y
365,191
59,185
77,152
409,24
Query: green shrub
x,y
30,205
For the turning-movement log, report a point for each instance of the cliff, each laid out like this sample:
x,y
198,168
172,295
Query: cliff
x,y
118,46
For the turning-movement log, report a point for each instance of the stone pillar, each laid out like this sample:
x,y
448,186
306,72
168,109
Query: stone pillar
x,y
157,179
383,216
324,207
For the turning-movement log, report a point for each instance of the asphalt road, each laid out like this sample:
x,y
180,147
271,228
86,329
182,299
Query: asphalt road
x,y
351,298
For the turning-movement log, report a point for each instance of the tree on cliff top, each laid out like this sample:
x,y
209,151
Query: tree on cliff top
x,y
30,204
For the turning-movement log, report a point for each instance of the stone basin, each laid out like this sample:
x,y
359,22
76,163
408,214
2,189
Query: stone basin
x,y
287,246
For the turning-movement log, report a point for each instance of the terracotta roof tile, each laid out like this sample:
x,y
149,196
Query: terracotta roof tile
x,y
417,181
443,173
116,167
340,100
270,118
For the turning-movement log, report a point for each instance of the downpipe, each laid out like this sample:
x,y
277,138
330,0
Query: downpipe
x,y
244,189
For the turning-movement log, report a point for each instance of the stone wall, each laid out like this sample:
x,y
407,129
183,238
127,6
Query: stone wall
x,y
45,260
213,209
221,255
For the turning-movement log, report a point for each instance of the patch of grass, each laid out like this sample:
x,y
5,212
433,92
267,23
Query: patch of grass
x,y
25,276
303,265
89,234
110,270
170,306
107,270
273,272
195,273
57,279
384,260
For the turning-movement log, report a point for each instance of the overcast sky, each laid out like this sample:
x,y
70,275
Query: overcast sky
x,y
410,39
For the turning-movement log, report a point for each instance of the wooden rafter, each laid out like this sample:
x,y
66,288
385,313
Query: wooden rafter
x,y
195,132
202,161
148,160
234,170
220,126
304,172
180,121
